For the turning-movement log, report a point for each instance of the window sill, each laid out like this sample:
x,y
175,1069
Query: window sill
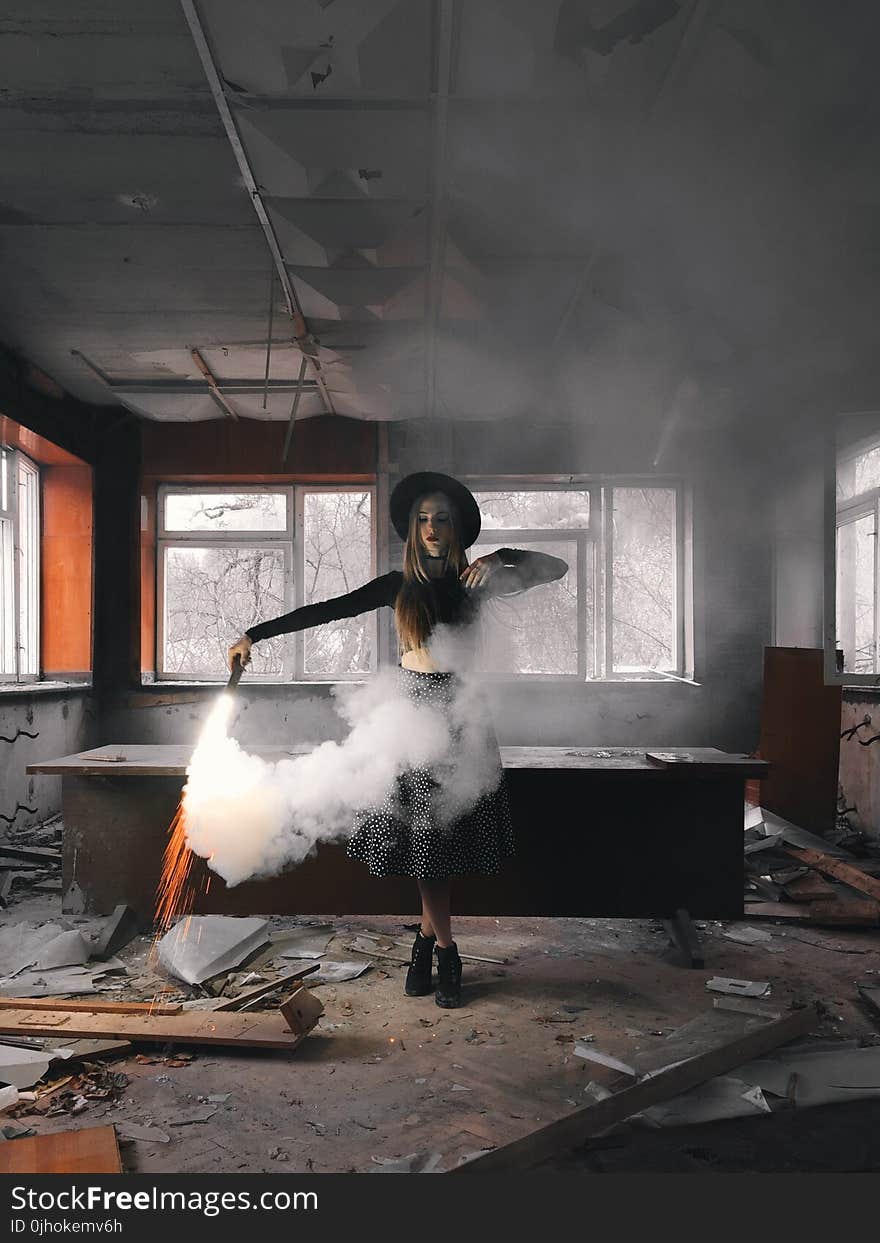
x,y
502,679
43,688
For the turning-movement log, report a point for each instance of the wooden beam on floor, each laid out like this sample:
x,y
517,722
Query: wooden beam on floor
x,y
92,1150
245,999
845,872
201,1027
577,1127
89,1007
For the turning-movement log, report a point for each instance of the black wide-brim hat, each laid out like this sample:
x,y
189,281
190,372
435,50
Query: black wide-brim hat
x,y
424,482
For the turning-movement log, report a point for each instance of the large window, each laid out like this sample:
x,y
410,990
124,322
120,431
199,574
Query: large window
x,y
231,557
19,567
619,612
858,514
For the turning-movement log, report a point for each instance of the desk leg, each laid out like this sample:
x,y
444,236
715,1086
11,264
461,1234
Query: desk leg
x,y
683,935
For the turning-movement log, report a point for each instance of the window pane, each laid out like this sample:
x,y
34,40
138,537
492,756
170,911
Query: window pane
x,y
212,595
858,474
547,511
28,480
226,511
4,479
856,594
337,535
537,631
7,598
643,579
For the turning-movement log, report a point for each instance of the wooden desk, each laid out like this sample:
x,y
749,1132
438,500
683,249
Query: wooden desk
x,y
600,832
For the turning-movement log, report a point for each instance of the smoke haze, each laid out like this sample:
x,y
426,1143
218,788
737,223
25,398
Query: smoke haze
x,y
250,817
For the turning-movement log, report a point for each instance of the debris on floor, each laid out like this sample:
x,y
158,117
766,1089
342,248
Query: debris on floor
x,y
600,1014
201,946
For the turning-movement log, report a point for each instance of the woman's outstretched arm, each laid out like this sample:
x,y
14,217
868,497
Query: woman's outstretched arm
x,y
373,595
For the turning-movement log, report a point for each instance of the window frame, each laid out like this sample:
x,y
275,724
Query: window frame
x,y
299,645
11,514
847,513
599,534
860,505
291,541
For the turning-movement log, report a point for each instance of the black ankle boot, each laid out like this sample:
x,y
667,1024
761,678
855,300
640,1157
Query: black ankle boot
x,y
418,976
448,992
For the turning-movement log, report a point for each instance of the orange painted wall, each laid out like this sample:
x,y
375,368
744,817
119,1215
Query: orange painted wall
x,y
36,447
66,569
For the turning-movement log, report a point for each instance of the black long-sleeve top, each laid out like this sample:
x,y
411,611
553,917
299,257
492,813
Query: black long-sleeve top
x,y
523,569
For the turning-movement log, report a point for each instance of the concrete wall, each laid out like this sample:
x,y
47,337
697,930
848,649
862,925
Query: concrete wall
x,y
64,722
860,764
799,555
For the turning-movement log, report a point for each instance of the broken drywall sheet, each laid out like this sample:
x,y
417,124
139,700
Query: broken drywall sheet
x,y
336,972
68,949
21,943
24,1067
724,1097
201,946
62,981
304,942
821,1078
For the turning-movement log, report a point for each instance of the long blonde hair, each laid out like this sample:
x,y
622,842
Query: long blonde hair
x,y
414,613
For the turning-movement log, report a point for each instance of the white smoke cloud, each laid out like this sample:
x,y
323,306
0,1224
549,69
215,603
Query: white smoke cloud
x,y
250,817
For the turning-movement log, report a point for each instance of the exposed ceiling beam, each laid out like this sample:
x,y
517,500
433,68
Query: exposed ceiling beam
x,y
216,393
215,84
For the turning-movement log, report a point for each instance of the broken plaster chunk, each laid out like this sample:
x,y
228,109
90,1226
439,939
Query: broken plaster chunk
x,y
199,947
738,988
68,949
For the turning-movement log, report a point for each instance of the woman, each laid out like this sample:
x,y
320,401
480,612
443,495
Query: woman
x,y
419,830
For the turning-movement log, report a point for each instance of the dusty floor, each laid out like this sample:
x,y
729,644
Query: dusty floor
x,y
383,1075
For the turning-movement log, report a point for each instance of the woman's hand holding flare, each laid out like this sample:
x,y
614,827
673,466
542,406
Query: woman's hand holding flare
x,y
241,649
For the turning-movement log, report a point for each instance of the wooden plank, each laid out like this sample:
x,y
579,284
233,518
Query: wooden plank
x,y
301,1010
854,913
31,854
201,1027
93,1150
88,1007
800,736
845,872
244,999
809,888
575,1128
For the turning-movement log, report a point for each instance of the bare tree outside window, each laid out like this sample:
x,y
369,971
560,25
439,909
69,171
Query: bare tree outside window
x,y
537,632
643,579
227,562
212,595
337,536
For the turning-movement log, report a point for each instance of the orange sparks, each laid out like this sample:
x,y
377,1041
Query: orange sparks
x,y
175,894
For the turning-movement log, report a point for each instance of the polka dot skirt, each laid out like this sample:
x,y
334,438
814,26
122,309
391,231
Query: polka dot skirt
x,y
407,835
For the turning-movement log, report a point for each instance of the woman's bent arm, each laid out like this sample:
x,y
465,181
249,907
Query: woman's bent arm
x,y
522,569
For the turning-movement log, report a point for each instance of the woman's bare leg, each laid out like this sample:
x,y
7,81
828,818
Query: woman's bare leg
x,y
436,907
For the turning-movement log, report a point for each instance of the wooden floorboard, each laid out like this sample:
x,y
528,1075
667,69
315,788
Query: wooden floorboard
x,y
93,1150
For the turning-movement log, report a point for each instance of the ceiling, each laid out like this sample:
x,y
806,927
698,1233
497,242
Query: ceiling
x,y
595,210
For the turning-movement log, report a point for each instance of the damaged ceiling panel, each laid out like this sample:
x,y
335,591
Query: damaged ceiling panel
x,y
472,210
